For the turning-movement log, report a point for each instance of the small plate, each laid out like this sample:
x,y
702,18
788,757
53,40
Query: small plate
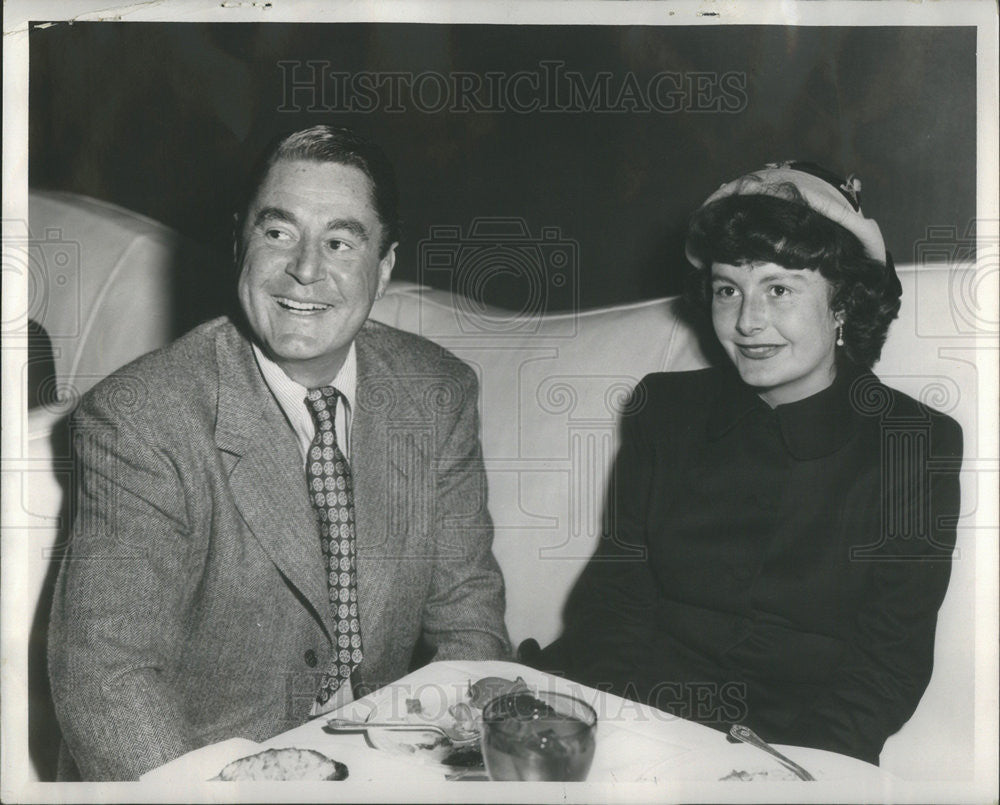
x,y
427,748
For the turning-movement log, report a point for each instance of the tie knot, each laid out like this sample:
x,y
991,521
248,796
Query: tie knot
x,y
322,404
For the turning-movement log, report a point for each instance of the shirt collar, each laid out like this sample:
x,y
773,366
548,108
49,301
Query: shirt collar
x,y
291,395
811,428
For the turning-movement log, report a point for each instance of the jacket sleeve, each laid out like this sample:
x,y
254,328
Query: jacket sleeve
x,y
608,621
877,687
116,622
463,613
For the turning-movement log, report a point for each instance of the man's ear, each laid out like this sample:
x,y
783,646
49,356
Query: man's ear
x,y
385,266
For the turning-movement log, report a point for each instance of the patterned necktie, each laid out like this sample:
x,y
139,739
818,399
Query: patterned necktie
x,y
332,494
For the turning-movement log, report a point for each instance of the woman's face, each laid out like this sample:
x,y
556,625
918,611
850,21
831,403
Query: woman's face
x,y
777,327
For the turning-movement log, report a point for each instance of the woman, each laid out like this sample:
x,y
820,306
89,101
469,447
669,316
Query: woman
x,y
781,542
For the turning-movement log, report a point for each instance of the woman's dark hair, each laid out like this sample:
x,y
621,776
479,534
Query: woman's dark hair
x,y
342,146
744,229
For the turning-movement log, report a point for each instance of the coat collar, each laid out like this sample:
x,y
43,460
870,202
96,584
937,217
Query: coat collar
x,y
811,428
266,476
384,495
384,399
267,479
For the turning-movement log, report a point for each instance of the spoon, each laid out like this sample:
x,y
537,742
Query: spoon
x,y
456,736
748,736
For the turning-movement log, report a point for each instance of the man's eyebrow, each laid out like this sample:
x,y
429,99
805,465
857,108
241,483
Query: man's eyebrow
x,y
273,214
352,225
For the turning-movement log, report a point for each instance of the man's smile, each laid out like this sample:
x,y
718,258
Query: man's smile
x,y
297,306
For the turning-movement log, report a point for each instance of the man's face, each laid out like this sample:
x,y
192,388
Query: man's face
x,y
309,265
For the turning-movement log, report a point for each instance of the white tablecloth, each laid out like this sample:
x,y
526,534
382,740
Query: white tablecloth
x,y
635,744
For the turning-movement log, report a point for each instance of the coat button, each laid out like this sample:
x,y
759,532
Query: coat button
x,y
742,573
310,658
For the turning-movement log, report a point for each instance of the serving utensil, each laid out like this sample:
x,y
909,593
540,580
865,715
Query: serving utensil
x,y
748,736
456,736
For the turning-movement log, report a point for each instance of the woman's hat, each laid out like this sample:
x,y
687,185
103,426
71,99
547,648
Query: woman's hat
x,y
840,202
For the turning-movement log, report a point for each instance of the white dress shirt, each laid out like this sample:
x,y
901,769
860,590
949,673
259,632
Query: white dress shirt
x,y
291,397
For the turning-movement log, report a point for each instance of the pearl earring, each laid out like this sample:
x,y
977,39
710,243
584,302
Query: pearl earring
x,y
840,335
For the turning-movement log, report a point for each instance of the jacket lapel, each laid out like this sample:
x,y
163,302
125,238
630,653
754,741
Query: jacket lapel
x,y
266,477
381,482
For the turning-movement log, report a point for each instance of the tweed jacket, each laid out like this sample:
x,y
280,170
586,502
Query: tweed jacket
x,y
192,606
780,567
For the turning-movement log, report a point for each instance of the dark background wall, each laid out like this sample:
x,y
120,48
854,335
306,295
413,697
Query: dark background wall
x,y
163,119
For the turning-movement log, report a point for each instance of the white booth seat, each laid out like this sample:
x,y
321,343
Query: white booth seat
x,y
109,285
552,386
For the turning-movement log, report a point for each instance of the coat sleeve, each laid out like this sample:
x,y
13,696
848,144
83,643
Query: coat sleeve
x,y
888,664
608,621
463,613
116,620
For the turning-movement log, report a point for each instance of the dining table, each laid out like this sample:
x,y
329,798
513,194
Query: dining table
x,y
641,754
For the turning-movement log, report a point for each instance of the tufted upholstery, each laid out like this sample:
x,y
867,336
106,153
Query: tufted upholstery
x,y
551,389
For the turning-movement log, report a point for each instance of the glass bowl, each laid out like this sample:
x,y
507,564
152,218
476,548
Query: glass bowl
x,y
538,735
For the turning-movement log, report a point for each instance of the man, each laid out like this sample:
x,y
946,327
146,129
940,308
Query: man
x,y
274,512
